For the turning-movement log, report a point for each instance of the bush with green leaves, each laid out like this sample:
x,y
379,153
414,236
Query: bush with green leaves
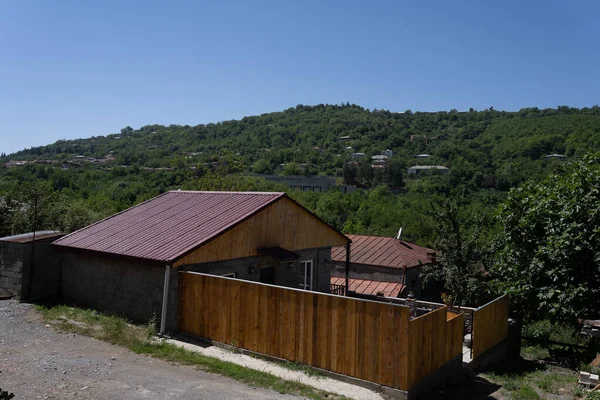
x,y
548,256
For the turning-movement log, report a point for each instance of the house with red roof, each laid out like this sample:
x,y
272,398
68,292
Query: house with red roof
x,y
129,263
382,266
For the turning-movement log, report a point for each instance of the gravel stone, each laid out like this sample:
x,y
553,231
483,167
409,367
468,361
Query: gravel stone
x,y
37,362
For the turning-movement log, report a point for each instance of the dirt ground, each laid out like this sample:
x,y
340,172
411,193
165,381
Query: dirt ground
x,y
37,362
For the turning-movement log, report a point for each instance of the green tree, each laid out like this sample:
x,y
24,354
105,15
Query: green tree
x,y
462,245
291,168
262,166
549,249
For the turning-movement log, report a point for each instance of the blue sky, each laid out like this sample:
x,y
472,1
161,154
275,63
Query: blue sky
x,y
73,69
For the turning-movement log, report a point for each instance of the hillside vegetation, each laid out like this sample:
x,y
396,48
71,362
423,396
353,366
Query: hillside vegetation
x,y
488,152
501,190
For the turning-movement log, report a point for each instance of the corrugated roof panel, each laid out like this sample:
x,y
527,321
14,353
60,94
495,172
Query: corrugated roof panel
x,y
169,225
382,251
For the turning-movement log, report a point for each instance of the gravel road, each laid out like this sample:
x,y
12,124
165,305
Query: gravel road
x,y
37,362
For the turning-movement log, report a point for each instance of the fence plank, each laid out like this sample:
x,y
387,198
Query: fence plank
x,y
490,325
364,339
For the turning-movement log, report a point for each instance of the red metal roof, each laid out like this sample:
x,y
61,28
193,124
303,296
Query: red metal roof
x,y
362,286
168,226
382,251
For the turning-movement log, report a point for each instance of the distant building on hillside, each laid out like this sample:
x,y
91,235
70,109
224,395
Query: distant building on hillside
x,y
304,183
15,163
418,169
345,138
423,156
380,158
557,156
388,153
357,155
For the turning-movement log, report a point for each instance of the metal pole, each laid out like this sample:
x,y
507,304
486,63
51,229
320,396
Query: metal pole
x,y
347,267
163,314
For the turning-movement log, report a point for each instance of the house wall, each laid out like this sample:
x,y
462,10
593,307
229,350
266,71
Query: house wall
x,y
284,223
286,274
26,280
129,288
134,289
384,274
11,268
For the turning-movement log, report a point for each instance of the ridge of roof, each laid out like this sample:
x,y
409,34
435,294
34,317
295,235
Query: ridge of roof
x,y
215,192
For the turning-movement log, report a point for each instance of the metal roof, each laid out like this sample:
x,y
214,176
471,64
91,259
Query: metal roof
x,y
428,167
363,286
28,237
170,225
382,251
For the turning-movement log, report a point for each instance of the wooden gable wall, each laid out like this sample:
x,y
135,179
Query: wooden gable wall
x,y
283,223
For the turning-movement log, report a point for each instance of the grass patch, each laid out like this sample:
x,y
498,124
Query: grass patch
x,y
525,392
141,339
535,352
292,366
529,379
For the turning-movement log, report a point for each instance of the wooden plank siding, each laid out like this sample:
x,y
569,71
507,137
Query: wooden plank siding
x,y
490,325
435,339
369,340
283,223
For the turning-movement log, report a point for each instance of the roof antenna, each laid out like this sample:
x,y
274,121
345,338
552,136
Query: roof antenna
x,y
399,233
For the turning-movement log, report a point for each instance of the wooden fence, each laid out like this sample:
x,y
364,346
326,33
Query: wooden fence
x,y
369,340
490,325
435,338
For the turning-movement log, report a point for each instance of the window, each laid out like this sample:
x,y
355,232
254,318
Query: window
x,y
230,275
306,269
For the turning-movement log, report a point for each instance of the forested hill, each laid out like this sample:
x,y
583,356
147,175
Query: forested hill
x,y
510,146
488,152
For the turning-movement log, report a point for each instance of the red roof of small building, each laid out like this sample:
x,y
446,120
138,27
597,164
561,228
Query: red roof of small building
x,y
168,226
382,251
362,286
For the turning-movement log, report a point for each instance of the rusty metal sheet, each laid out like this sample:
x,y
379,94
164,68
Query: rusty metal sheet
x,y
369,287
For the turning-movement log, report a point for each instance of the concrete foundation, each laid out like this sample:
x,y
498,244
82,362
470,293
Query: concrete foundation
x,y
446,373
489,358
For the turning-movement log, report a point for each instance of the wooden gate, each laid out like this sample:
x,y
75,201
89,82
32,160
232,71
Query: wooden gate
x,y
490,325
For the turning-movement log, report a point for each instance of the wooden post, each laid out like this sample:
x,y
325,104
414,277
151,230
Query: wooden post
x,y
347,266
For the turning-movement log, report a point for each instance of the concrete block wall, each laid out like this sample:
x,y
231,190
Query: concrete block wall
x,y
129,288
42,278
11,268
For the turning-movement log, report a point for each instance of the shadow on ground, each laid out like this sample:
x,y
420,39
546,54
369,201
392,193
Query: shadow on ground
x,y
476,388
479,387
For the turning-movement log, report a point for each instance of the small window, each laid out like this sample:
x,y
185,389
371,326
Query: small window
x,y
230,275
306,269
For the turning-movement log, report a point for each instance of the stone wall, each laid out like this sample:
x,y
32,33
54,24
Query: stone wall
x,y
11,268
26,280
